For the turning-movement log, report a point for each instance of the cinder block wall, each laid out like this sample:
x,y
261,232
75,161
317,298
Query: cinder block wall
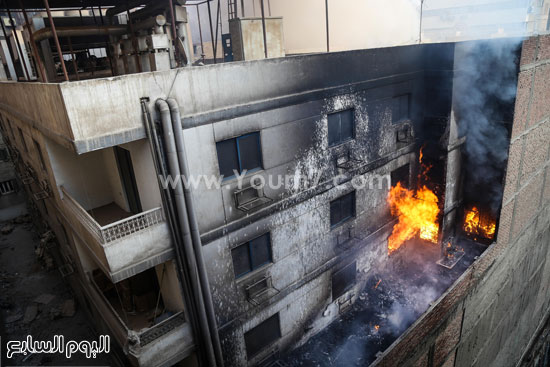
x,y
492,313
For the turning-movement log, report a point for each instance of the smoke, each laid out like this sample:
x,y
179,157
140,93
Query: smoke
x,y
485,88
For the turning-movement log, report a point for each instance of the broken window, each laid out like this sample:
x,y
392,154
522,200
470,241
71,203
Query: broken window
x,y
342,209
251,255
262,335
343,280
341,127
6,187
40,156
400,175
239,154
22,139
401,107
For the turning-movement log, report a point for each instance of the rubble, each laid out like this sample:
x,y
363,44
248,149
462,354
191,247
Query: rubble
x,y
7,228
44,298
68,309
30,313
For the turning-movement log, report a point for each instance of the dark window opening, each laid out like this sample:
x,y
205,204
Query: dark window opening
x,y
341,127
4,154
251,255
239,154
342,209
401,108
262,335
401,175
40,156
22,139
343,280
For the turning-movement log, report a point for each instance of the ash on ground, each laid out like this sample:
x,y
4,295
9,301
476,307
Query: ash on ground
x,y
391,301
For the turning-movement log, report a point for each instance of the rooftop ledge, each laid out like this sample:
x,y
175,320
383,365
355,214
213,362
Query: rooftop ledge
x,y
97,113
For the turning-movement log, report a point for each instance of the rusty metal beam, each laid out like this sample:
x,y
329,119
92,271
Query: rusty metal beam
x,y
39,65
14,30
57,45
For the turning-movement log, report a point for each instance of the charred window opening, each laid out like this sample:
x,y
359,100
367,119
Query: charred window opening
x,y
401,175
401,108
251,255
341,127
239,154
343,280
342,209
261,336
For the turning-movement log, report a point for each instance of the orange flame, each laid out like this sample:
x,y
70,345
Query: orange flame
x,y
479,225
377,327
417,214
377,284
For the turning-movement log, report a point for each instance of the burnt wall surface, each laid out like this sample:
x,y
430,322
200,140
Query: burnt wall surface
x,y
306,250
491,314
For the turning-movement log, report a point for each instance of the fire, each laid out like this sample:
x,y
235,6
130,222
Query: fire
x,y
479,225
377,327
378,283
417,214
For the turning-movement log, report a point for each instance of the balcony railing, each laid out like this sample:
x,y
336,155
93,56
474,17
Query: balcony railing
x,y
118,229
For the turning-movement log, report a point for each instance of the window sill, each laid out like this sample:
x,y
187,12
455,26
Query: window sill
x,y
251,274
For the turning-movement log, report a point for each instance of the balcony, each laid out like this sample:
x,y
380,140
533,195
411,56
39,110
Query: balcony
x,y
152,333
126,246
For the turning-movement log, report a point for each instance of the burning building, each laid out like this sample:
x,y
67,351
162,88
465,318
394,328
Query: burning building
x,y
317,187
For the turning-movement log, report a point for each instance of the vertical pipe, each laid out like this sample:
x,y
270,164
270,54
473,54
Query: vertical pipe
x,y
215,44
14,30
39,64
101,15
174,33
134,41
242,8
200,32
236,10
263,27
10,51
57,45
194,228
74,58
211,28
420,29
326,23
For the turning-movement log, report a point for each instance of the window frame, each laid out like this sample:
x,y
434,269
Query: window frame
x,y
248,244
340,272
409,99
7,187
346,219
239,168
252,354
353,135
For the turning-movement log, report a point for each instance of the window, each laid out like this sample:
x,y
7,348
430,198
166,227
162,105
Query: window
x,y
341,127
4,154
400,108
262,335
6,187
239,154
22,139
40,156
251,255
342,209
343,280
401,175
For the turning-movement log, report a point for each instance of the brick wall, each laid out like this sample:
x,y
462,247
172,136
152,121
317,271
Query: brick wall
x,y
492,313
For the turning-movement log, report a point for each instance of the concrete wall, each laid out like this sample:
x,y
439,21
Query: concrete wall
x,y
491,314
294,140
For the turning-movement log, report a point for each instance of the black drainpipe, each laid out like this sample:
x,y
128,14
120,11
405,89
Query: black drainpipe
x,y
195,232
180,232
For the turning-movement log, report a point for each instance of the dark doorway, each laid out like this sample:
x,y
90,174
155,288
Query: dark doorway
x,y
128,178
